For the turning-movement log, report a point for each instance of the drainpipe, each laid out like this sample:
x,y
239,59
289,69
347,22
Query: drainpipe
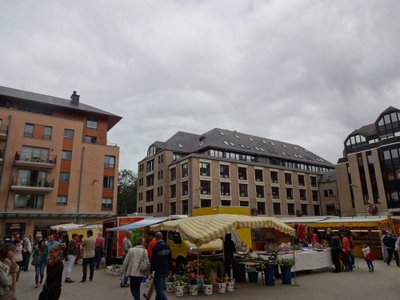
x,y
80,182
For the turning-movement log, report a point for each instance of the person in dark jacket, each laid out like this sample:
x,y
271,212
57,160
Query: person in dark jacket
x,y
161,265
336,249
229,250
54,272
390,244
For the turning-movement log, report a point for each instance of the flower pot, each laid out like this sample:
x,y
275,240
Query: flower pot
x,y
193,288
270,275
221,287
207,289
286,275
230,286
179,290
169,286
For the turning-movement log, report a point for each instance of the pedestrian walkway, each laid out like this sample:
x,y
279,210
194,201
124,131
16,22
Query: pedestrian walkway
x,y
383,284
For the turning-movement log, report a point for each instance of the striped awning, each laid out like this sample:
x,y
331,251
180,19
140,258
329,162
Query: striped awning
x,y
203,229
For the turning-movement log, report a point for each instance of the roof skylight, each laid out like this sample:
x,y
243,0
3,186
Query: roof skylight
x,y
180,146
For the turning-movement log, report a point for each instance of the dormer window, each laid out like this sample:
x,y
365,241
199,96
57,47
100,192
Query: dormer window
x,y
355,141
389,123
151,151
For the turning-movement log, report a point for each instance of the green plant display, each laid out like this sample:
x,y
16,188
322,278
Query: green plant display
x,y
286,262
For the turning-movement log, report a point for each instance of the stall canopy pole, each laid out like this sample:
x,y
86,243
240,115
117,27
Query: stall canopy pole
x,y
294,283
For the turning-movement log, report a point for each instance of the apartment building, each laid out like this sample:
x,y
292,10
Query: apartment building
x,y
368,174
228,168
56,163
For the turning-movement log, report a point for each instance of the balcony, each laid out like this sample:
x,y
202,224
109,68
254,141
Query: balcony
x,y
3,132
29,161
22,185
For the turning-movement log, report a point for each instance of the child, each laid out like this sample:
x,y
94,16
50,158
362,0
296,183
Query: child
x,y
368,257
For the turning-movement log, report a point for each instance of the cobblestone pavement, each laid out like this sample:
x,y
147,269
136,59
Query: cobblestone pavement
x,y
383,284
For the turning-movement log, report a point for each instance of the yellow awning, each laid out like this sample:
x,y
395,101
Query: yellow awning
x,y
203,229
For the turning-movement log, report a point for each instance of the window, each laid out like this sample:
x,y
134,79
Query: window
x,y
151,151
141,167
150,165
173,191
159,191
47,132
224,171
289,194
205,202
244,203
68,134
33,178
160,158
173,174
326,193
205,187
304,209
277,208
258,175
275,192
24,201
173,208
160,174
204,169
28,130
108,182
64,177
330,209
90,139
290,208
288,178
66,155
149,196
303,195
260,191
140,196
91,123
243,192
242,172
185,189
301,180
274,177
36,154
184,171
225,189
62,200
109,162
315,195
261,208
150,180
313,181
225,202
185,207
149,209
316,210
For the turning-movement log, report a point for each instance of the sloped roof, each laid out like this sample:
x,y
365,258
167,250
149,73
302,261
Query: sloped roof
x,y
366,130
234,141
57,102
329,176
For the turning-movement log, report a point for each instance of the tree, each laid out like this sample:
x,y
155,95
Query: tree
x,y
127,188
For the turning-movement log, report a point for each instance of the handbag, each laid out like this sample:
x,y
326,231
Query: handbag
x,y
144,264
36,260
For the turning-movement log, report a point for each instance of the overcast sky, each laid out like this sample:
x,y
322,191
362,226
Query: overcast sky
x,y
303,72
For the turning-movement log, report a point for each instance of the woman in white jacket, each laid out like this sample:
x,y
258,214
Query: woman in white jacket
x,y
132,266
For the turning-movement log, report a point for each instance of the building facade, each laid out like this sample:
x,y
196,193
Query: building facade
x,y
228,168
56,164
368,175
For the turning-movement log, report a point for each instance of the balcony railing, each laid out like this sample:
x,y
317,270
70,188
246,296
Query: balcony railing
x,y
24,185
3,132
29,160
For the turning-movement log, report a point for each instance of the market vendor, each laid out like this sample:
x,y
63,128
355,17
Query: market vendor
x,y
229,250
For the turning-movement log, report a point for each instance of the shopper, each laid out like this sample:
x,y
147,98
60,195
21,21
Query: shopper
x,y
7,272
52,286
18,258
368,257
390,247
88,254
126,245
71,256
336,250
39,261
131,266
229,250
346,251
99,250
384,239
26,252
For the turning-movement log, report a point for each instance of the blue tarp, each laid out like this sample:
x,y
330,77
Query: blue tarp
x,y
138,224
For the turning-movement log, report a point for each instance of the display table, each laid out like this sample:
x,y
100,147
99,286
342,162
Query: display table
x,y
306,260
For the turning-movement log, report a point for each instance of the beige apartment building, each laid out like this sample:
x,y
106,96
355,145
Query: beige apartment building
x,y
228,168
56,163
368,175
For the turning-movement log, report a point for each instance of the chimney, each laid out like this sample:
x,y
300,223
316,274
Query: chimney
x,y
74,98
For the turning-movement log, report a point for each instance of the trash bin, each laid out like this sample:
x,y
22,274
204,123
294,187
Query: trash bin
x,y
286,275
252,275
270,275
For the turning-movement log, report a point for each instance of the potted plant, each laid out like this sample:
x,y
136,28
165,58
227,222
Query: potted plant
x,y
169,283
193,285
208,286
230,284
179,285
221,282
286,265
